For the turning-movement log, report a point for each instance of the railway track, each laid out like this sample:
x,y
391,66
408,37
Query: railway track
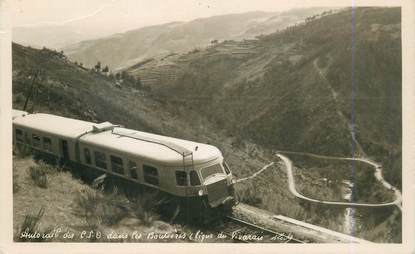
x,y
245,232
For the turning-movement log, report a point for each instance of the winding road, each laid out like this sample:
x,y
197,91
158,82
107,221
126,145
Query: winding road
x,y
378,175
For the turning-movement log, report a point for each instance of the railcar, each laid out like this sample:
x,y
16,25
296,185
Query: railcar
x,y
194,173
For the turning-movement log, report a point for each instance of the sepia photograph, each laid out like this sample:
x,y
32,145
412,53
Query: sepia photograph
x,y
220,122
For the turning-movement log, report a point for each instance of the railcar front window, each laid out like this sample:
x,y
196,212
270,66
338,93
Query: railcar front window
x,y
47,144
35,140
211,170
100,160
150,175
133,169
181,178
117,165
194,178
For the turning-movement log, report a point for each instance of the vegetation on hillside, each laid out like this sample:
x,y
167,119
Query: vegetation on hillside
x,y
287,90
310,87
326,179
83,92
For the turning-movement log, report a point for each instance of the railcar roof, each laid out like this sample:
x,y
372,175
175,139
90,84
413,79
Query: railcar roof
x,y
149,150
152,147
53,124
17,113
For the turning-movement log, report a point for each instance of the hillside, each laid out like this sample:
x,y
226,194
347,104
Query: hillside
x,y
122,50
64,206
307,88
251,97
70,90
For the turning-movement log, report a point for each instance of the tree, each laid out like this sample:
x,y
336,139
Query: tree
x,y
138,83
98,66
106,69
124,75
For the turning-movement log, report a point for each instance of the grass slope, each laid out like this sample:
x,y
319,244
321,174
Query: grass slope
x,y
64,213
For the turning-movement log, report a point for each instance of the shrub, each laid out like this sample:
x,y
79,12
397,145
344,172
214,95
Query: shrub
x,y
114,207
87,202
23,151
97,208
30,226
38,175
195,50
322,61
247,193
144,206
16,185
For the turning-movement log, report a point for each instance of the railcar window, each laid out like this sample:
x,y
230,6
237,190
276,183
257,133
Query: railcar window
x,y
47,144
226,167
181,178
133,169
150,175
117,165
100,160
27,138
194,178
19,135
87,155
35,140
211,170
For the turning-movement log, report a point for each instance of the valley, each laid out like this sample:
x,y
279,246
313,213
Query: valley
x,y
122,50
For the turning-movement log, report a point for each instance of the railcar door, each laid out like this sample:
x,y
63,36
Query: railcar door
x,y
64,150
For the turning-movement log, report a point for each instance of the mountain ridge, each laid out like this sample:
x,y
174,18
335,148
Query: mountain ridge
x,y
135,45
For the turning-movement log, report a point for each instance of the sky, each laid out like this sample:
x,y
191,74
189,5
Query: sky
x,y
131,14
104,17
29,12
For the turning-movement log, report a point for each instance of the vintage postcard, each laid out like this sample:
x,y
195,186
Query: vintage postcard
x,y
200,125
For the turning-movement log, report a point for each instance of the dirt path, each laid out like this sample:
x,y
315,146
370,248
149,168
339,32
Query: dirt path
x,y
256,173
350,126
